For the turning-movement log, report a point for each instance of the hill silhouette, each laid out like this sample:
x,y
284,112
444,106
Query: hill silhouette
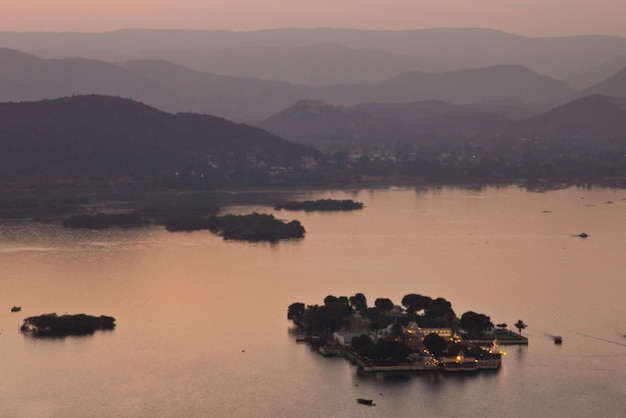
x,y
613,86
94,138
451,48
595,118
25,77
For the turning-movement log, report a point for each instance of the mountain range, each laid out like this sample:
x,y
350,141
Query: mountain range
x,y
512,91
443,48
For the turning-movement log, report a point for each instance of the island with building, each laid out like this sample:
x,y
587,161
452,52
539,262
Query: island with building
x,y
422,334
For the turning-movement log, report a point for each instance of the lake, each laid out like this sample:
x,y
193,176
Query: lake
x,y
202,329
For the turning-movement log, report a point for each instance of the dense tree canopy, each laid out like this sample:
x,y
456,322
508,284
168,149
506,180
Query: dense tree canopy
x,y
296,310
475,324
359,302
384,304
415,303
435,344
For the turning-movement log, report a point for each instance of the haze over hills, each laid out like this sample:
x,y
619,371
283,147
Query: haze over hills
x,y
558,57
502,82
313,65
25,77
593,118
597,74
173,87
235,98
87,138
324,125
613,86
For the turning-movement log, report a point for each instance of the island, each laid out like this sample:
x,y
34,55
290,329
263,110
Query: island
x,y
52,325
324,205
255,227
422,334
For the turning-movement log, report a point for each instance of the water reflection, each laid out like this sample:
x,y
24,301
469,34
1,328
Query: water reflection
x,y
188,304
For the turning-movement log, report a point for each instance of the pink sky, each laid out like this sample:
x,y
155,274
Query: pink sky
x,y
525,17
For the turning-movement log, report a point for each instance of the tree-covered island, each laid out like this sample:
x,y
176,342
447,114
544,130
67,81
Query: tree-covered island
x,y
253,227
324,205
52,325
422,334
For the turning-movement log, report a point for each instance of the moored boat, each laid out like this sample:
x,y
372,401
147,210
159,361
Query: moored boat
x,y
362,401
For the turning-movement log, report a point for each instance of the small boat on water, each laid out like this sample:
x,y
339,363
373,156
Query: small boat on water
x,y
558,340
16,309
362,401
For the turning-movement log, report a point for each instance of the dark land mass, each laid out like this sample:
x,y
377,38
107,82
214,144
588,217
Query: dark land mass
x,y
25,77
68,156
322,205
101,139
52,325
255,227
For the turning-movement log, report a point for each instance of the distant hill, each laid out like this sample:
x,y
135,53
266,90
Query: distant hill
x,y
88,138
499,82
312,65
25,77
322,124
597,73
502,82
235,98
451,48
435,117
614,86
174,88
596,118
410,111
511,109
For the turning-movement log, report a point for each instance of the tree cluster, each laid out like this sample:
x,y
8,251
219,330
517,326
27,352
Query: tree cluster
x,y
324,205
52,325
255,227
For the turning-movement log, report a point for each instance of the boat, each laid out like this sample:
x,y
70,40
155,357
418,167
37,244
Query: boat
x,y
362,401
558,340
16,309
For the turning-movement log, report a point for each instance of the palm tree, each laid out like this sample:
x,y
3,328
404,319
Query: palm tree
x,y
520,325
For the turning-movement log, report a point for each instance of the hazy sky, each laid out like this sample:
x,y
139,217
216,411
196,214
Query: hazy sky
x,y
526,17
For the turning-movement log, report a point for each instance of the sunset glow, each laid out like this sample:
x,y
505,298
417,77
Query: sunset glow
x,y
525,17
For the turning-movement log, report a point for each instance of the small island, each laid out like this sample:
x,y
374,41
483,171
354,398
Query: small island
x,y
255,227
422,334
323,205
52,325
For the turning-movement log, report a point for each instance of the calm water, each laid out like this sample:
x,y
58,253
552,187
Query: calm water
x,y
202,327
